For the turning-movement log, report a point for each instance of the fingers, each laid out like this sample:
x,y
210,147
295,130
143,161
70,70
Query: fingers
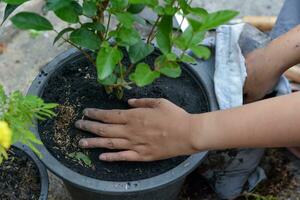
x,y
103,130
121,156
107,116
145,103
108,143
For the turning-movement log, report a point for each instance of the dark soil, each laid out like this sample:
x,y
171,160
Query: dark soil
x,y
279,176
196,188
75,87
19,177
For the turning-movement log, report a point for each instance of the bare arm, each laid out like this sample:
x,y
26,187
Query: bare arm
x,y
266,65
269,123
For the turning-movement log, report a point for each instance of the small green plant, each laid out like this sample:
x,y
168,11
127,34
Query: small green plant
x,y
90,27
17,115
81,158
254,196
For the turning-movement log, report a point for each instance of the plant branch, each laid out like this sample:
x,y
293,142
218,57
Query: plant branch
x,y
107,27
129,69
152,34
153,29
80,49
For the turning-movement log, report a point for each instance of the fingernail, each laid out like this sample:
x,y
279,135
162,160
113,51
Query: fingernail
x,y
86,112
83,143
131,101
78,124
103,157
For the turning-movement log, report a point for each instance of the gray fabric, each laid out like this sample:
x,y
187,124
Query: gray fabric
x,y
288,18
230,172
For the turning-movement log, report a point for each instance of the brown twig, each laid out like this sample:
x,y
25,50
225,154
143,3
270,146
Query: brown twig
x,y
107,27
129,70
153,29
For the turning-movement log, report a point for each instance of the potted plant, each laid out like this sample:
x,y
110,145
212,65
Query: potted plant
x,y
113,63
22,175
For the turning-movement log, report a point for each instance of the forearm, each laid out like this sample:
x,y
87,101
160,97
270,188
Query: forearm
x,y
284,52
269,123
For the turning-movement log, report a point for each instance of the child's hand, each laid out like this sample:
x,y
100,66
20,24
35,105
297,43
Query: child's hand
x,y
155,129
262,75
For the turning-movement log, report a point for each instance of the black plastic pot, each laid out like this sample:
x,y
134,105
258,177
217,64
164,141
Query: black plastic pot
x,y
165,186
42,170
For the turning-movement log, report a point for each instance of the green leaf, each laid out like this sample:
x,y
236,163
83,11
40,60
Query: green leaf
x,y
61,33
199,11
201,52
164,34
195,21
139,51
170,10
147,2
215,19
15,2
171,56
118,5
171,71
69,13
182,42
159,10
139,20
128,36
188,59
107,59
198,37
136,8
168,68
85,38
110,80
189,38
57,4
126,19
94,26
20,113
8,10
89,8
28,20
143,75
185,7
81,157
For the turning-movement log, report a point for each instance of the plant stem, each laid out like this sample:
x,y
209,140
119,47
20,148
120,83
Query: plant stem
x,y
121,72
107,27
80,49
189,42
102,8
153,29
180,25
129,69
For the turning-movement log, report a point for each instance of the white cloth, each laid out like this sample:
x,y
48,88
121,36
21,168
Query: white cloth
x,y
230,69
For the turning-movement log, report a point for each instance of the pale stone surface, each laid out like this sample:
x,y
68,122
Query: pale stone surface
x,y
245,7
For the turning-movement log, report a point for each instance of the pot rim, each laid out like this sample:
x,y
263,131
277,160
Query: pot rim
x,y
92,184
41,168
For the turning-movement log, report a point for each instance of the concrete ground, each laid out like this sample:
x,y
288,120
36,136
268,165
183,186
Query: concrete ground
x,y
22,55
